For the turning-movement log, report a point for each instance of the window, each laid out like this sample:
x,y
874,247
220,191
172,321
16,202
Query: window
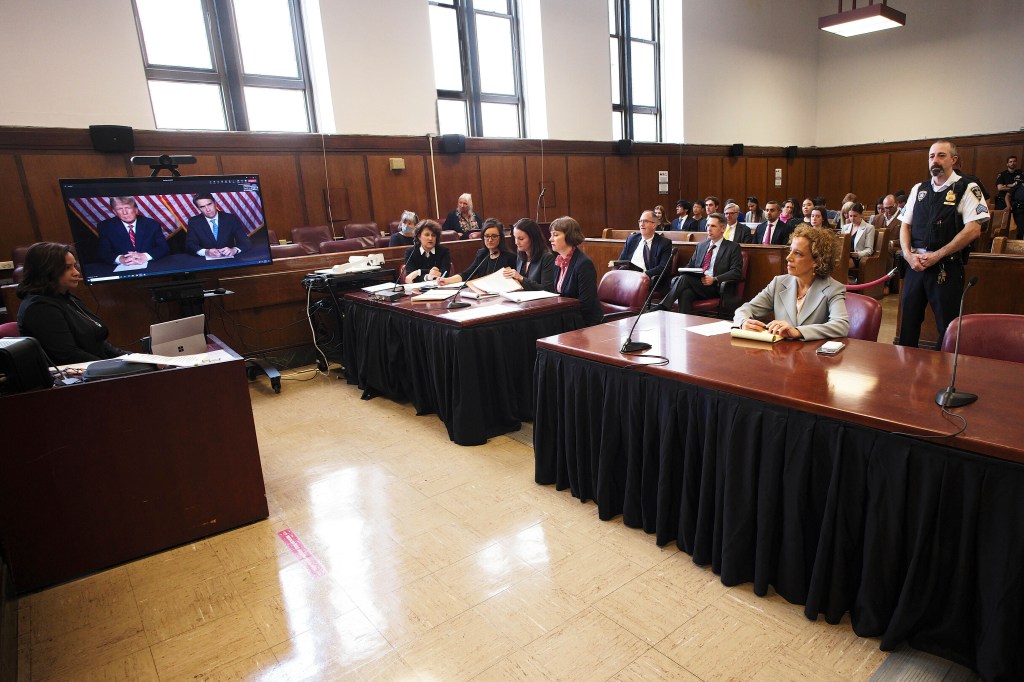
x,y
226,64
633,29
477,67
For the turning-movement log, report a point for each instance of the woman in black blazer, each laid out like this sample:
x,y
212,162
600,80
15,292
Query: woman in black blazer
x,y
535,266
574,273
427,260
493,257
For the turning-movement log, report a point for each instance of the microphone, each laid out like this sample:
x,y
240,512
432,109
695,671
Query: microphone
x,y
543,191
455,303
949,396
631,346
405,267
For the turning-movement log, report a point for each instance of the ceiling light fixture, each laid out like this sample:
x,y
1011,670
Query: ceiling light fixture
x,y
860,20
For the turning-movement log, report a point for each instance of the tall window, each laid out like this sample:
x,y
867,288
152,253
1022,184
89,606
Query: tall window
x,y
226,64
477,67
636,96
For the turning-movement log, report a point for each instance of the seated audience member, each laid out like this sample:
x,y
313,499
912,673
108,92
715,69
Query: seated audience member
x,y
214,233
63,326
697,213
683,222
754,213
879,207
646,250
862,235
534,261
663,221
806,303
773,230
805,211
844,217
831,217
735,231
818,218
717,257
463,219
129,238
574,273
427,260
406,235
711,205
788,209
492,257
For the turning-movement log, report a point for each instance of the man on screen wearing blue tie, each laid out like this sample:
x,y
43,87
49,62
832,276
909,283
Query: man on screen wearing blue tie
x,y
214,233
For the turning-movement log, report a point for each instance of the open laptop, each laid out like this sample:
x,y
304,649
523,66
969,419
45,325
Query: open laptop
x,y
179,337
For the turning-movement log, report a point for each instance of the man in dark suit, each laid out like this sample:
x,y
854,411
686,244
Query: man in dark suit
x,y
683,221
214,233
646,250
130,238
773,230
719,259
711,205
735,231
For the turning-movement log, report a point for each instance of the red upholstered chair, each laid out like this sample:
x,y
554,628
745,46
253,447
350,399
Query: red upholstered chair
x,y
622,293
287,251
311,236
382,242
730,294
394,226
449,236
475,234
272,236
365,233
988,335
865,316
8,329
341,245
18,254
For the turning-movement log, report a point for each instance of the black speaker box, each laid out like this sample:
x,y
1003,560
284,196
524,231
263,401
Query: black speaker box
x,y
736,150
624,147
119,139
791,152
453,144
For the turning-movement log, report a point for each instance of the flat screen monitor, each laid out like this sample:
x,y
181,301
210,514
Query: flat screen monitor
x,y
128,228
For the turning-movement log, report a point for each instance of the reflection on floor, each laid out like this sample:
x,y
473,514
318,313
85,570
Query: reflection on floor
x,y
393,554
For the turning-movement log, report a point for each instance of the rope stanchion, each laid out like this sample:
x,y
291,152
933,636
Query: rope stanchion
x,y
858,287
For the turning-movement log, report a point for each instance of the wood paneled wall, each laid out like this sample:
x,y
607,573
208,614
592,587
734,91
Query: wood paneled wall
x,y
309,179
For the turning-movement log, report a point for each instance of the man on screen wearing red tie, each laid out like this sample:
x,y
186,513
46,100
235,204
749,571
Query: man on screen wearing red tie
x,y
719,260
130,238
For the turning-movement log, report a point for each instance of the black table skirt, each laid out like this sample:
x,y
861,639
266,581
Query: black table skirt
x,y
478,379
918,542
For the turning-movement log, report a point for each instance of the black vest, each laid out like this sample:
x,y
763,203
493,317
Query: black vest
x,y
936,220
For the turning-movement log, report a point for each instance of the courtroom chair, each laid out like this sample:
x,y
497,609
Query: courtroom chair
x,y
18,254
988,335
341,245
475,234
394,226
311,236
730,294
365,233
449,236
17,274
382,242
287,251
865,316
8,329
622,293
272,236
1004,245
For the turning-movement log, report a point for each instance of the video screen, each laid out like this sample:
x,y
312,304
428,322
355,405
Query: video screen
x,y
127,228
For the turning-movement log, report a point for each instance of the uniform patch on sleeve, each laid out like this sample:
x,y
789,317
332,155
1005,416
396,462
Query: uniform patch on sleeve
x,y
981,209
977,193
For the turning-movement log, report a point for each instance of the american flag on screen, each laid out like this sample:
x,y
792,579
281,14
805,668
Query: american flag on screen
x,y
173,210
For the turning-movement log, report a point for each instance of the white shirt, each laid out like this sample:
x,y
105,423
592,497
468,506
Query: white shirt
x,y
638,253
972,209
714,256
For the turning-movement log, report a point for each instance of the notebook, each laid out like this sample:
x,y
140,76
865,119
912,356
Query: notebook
x,y
179,337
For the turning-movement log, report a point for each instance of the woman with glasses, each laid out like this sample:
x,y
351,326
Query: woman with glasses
x,y
493,257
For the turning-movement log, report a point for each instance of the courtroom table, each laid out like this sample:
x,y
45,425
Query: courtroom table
x,y
784,468
471,367
106,471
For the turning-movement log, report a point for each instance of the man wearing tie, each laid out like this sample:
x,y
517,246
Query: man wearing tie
x,y
683,221
772,230
130,238
646,250
735,231
214,233
718,258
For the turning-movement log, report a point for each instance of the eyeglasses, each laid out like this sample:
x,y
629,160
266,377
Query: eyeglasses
x,y
492,236
646,220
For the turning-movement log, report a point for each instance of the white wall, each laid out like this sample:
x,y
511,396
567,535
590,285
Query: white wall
x,y
71,64
950,71
744,64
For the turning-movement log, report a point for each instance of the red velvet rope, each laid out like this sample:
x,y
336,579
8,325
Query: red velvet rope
x,y
883,278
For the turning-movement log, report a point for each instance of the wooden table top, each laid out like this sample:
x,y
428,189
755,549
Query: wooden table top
x,y
886,387
479,312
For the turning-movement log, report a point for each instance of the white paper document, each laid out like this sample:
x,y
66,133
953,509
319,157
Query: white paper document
x,y
125,268
712,329
478,312
435,295
523,296
181,360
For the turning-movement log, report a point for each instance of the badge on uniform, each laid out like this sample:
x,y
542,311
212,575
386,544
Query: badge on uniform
x,y
977,193
950,198
921,195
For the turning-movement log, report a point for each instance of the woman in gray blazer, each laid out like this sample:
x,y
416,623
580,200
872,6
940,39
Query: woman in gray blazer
x,y
806,303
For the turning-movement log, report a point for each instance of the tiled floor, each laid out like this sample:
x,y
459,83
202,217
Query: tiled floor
x,y
393,554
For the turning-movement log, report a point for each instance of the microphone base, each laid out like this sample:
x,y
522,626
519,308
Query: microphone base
x,y
948,397
455,305
634,347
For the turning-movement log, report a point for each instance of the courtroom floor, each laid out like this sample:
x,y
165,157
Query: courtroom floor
x,y
393,554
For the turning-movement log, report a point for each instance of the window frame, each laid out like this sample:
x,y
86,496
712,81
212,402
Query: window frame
x,y
626,108
227,70
471,94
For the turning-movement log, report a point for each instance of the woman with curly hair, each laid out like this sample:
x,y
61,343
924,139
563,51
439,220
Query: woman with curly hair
x,y
806,303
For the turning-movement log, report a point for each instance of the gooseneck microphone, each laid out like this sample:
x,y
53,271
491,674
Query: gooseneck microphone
x,y
455,303
404,268
949,396
631,346
543,190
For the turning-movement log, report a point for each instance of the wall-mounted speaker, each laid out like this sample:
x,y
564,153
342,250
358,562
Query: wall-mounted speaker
x,y
453,144
736,150
112,139
624,147
791,152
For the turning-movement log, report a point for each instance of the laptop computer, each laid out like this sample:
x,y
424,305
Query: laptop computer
x,y
179,337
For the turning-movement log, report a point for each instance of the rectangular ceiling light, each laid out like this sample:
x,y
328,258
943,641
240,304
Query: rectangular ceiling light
x,y
860,20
